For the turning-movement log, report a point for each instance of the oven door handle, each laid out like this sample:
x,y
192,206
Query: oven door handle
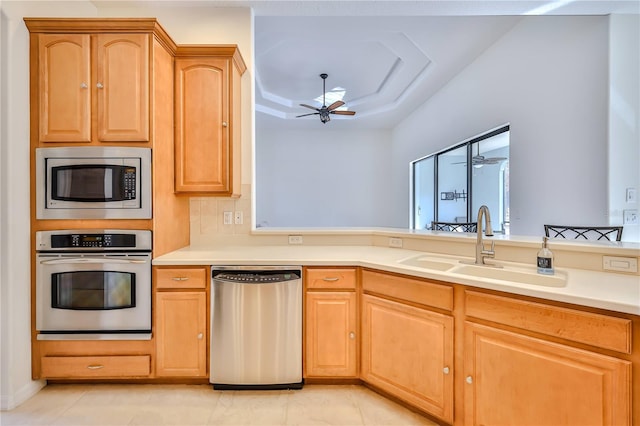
x,y
85,260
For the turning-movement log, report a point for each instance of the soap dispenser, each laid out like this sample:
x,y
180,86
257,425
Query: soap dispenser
x,y
545,259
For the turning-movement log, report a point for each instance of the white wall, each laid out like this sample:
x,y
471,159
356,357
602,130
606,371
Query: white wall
x,y
331,177
624,119
15,303
547,78
196,25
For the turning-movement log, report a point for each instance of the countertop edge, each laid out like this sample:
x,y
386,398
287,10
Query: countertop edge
x,y
387,259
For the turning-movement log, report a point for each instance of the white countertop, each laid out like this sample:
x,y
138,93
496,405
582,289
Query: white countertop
x,y
616,292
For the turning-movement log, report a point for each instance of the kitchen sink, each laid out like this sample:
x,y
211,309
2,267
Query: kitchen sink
x,y
430,262
512,274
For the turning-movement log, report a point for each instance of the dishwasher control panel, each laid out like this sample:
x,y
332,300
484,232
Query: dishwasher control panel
x,y
256,277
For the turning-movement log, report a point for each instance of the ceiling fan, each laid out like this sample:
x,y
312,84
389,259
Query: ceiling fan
x,y
325,111
480,160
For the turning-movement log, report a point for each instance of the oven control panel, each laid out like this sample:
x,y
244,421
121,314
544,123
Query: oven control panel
x,y
93,240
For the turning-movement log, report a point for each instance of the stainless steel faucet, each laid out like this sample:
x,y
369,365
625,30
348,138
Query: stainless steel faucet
x,y
481,252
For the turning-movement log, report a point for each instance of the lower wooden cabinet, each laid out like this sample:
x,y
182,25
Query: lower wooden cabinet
x,y
181,322
408,352
331,323
515,379
330,339
86,367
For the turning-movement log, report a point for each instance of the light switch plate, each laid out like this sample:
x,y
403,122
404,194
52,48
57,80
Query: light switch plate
x,y
631,196
620,264
227,218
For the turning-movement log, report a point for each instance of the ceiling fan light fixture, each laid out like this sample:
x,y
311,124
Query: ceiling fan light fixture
x,y
325,111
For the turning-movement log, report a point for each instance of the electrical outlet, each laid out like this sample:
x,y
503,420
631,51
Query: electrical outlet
x,y
395,242
630,217
228,218
238,218
295,239
618,263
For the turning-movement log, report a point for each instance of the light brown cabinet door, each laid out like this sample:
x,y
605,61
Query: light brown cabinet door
x,y
330,334
101,79
202,125
181,339
64,77
122,87
514,379
408,352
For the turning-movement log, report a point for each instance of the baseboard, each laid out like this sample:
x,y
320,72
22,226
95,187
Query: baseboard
x,y
9,402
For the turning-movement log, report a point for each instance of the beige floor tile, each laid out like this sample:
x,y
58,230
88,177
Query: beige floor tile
x,y
115,405
250,408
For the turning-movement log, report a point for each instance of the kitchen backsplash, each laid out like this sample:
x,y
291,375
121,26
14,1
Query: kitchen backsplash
x,y
207,216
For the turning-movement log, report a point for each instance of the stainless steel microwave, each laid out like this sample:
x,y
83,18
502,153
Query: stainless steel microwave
x,y
93,183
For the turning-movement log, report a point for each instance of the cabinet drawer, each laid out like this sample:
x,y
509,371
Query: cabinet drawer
x,y
603,331
412,290
331,278
181,277
67,367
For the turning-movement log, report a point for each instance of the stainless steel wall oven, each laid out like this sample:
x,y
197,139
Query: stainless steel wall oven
x,y
93,284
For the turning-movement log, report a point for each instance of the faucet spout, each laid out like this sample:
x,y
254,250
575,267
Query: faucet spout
x,y
487,217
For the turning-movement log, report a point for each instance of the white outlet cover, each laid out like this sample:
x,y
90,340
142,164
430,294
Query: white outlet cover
x,y
630,217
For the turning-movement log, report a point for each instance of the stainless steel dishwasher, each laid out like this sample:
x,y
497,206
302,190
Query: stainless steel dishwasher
x,y
256,327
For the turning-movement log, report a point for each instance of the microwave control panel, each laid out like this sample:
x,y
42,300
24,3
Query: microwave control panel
x,y
129,176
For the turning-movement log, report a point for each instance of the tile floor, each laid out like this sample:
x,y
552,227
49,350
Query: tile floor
x,y
114,404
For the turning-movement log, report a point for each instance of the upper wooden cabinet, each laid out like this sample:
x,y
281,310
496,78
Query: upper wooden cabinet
x,y
92,87
207,120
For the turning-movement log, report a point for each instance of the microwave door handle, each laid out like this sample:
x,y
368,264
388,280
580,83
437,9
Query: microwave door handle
x,y
89,261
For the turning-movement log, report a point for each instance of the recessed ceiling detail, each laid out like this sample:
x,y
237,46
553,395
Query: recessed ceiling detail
x,y
374,68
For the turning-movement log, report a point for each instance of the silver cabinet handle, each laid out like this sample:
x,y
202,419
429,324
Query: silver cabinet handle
x,y
200,336
352,335
180,278
469,379
83,86
95,367
85,260
330,279
225,124
445,370
99,86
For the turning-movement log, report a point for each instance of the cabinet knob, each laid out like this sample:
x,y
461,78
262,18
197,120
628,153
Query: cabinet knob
x,y
83,86
99,86
352,335
445,370
469,379
225,124
95,366
200,336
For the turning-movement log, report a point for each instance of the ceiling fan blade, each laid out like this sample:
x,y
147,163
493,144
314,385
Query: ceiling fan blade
x,y
336,104
304,115
309,106
343,112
